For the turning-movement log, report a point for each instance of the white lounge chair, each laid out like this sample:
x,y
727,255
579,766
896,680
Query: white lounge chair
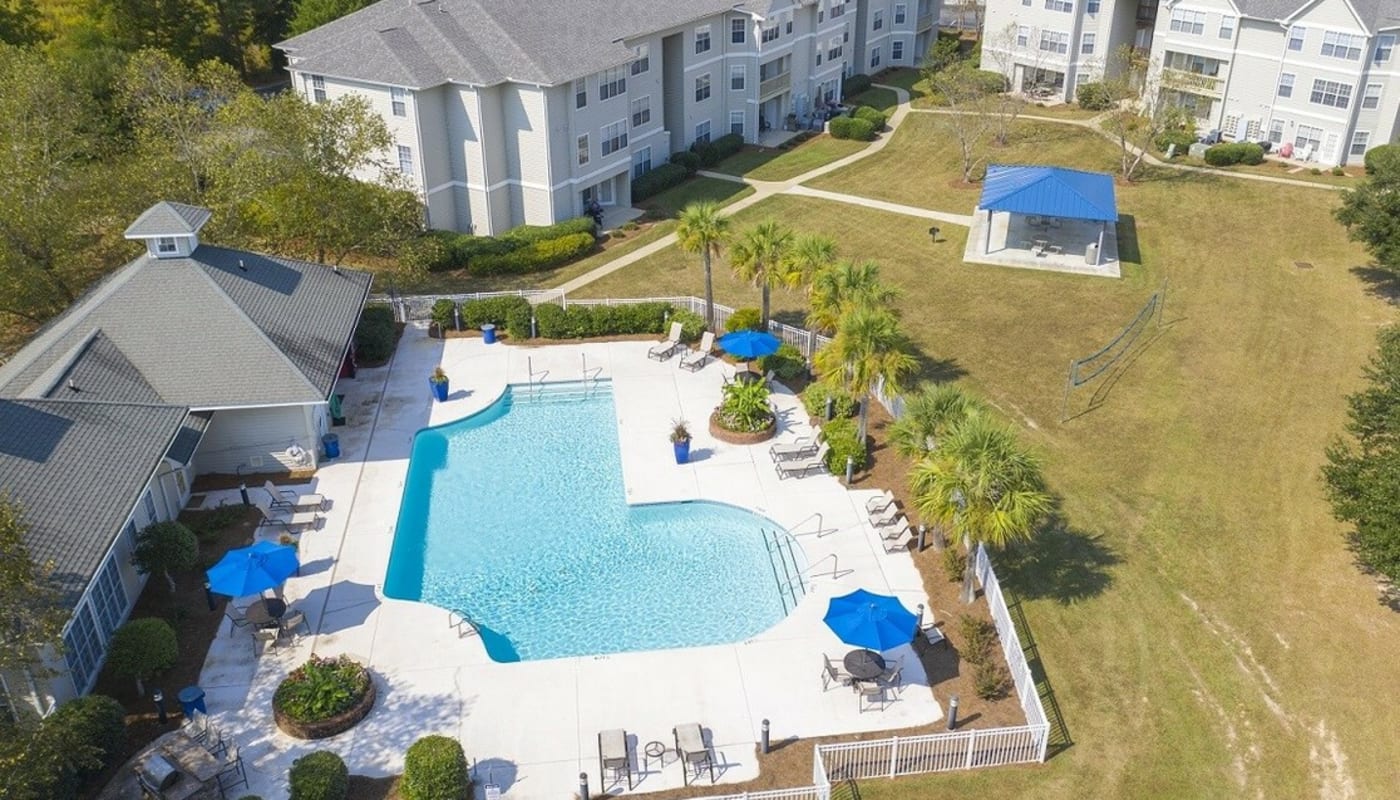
x,y
801,467
289,498
700,356
799,448
294,523
690,747
894,535
665,348
612,756
881,504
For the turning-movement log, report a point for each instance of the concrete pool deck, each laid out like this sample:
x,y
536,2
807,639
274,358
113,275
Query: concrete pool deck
x,y
531,726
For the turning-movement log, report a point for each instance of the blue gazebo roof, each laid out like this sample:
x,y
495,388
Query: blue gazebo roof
x,y
1050,191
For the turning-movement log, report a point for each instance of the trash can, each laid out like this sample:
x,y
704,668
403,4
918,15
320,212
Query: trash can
x,y
488,333
1091,254
331,444
192,700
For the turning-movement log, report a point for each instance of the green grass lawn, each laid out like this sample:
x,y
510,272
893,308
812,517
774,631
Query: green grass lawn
x,y
772,164
670,202
1201,622
880,99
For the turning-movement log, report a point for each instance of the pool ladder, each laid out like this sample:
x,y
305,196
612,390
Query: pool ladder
x,y
781,557
457,620
590,377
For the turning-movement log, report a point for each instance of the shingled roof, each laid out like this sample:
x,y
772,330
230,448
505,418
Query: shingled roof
x,y
76,469
168,219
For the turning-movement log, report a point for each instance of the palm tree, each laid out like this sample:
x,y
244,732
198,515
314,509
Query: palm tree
x,y
840,287
760,256
702,231
983,484
868,352
811,253
930,415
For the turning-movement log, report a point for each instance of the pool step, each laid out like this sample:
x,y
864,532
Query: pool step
x,y
563,392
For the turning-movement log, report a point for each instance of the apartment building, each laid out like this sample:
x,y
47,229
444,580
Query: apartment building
x,y
1046,48
506,112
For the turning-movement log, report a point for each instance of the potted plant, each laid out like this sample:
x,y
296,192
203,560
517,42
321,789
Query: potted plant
x,y
680,440
438,383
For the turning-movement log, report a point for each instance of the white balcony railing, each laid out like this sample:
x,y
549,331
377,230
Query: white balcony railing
x,y
774,85
1192,82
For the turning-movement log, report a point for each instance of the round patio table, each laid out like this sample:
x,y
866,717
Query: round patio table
x,y
864,665
266,612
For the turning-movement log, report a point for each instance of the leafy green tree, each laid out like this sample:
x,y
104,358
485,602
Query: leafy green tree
x,y
19,23
703,231
311,14
33,618
1371,214
840,287
930,415
945,51
141,649
868,352
809,254
761,256
163,548
182,28
983,484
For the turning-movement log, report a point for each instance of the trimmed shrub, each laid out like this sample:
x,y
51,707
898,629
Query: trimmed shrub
x,y
1339,172
661,178
989,680
979,639
1382,158
686,159
787,364
1094,96
549,321
954,563
320,775
435,768
692,324
143,647
431,252
95,723
875,117
855,84
466,248
1225,154
534,257
443,315
727,145
165,548
990,82
518,321
495,310
1182,140
843,442
814,401
374,338
1250,153
851,128
743,319
579,321
529,234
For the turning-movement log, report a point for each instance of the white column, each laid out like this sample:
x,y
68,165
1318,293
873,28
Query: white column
x,y
988,248
1098,255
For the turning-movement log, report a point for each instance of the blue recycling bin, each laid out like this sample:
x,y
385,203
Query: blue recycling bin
x,y
331,444
488,333
192,700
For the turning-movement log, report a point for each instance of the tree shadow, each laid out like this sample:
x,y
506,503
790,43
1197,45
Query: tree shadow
x,y
791,318
1061,564
1380,283
938,370
1059,739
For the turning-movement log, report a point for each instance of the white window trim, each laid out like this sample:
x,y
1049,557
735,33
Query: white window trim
x,y
740,71
167,244
583,149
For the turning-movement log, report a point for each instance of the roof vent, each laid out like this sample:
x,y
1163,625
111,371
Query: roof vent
x,y
72,386
241,267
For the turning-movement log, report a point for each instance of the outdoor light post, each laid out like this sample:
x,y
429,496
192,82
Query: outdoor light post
x,y
850,468
952,712
763,738
159,699
923,531
209,596
583,786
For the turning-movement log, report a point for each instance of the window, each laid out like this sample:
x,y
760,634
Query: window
x,y
398,100
1052,42
641,111
737,34
1359,140
1023,35
901,10
702,39
583,150
1342,45
897,51
702,132
614,83
166,244
641,162
1091,6
738,77
1385,45
787,28
318,88
1065,6
1295,37
1183,21
1026,3
877,20
1372,97
1227,27
82,648
1285,85
405,159
109,598
1086,44
702,87
838,8
875,56
835,51
614,137
580,94
149,501
736,122
1308,136
1330,93
641,59
1276,131
770,34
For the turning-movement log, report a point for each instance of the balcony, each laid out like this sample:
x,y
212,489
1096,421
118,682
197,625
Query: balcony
x,y
1192,82
924,22
774,85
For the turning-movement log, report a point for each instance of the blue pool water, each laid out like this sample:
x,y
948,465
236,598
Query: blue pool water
x,y
516,517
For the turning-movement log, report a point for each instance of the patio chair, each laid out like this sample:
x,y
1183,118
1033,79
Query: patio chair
x,y
690,747
665,348
930,633
197,726
831,675
232,773
801,447
291,621
801,467
768,377
288,498
612,756
892,680
240,621
876,505
294,523
216,744
894,536
267,637
701,355
885,517
870,693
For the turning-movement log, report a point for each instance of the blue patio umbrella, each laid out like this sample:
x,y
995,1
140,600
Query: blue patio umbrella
x,y
252,570
749,344
869,620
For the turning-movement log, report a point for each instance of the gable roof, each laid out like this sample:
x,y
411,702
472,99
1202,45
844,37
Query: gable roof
x,y
1375,15
218,328
1052,191
76,470
168,219
420,44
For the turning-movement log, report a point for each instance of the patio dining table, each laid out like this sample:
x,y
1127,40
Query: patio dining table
x,y
266,611
864,665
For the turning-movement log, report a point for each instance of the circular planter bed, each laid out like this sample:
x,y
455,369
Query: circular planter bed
x,y
299,705
742,437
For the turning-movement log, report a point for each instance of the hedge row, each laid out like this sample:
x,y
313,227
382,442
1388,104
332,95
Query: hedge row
x,y
533,257
1094,96
1385,158
374,338
874,116
659,179
1182,139
851,128
711,153
578,321
440,251
855,84
1225,154
685,158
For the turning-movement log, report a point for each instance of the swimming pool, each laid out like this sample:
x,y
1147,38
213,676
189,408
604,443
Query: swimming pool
x,y
516,517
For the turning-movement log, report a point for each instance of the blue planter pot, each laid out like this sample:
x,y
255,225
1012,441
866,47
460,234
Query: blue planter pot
x,y
682,451
439,390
